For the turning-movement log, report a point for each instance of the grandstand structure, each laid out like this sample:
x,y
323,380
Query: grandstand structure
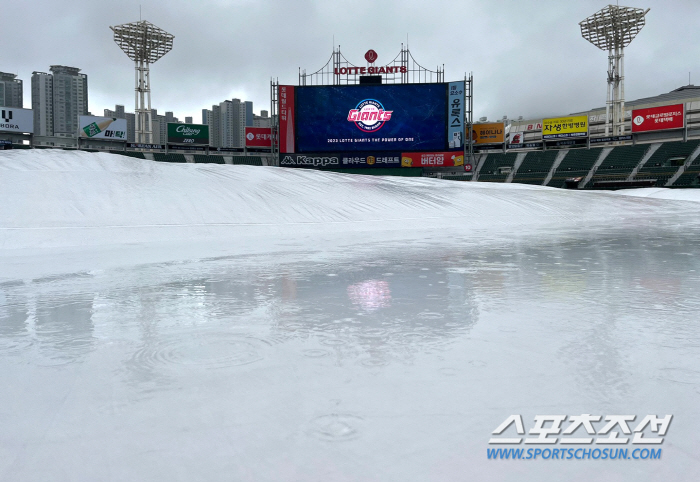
x,y
658,164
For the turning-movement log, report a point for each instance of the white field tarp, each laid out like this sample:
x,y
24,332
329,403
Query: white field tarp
x,y
215,322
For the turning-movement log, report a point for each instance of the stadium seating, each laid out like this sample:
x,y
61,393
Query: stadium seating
x,y
664,163
576,163
248,160
169,157
137,155
535,167
458,178
495,167
202,159
691,176
618,165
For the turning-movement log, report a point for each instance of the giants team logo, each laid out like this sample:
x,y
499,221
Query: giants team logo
x,y
369,115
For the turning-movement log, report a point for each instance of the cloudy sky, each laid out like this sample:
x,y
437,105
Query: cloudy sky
x,y
527,57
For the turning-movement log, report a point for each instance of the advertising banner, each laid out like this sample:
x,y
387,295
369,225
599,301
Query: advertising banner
x,y
492,133
658,118
227,149
16,120
287,134
348,160
598,140
431,159
187,147
455,115
562,127
525,145
110,128
397,117
135,145
515,138
258,137
188,134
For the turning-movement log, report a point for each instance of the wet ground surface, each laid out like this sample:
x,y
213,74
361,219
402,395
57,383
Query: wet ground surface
x,y
390,363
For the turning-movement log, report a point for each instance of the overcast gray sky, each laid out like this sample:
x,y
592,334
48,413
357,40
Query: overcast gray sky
x,y
527,57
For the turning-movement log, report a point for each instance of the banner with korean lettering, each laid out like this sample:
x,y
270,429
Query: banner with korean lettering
x,y
658,118
258,137
102,128
286,116
348,160
455,115
491,133
562,127
431,159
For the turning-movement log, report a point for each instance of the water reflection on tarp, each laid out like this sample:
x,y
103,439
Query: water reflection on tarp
x,y
329,348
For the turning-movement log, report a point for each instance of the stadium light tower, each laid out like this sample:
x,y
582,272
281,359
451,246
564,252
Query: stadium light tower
x,y
612,29
144,43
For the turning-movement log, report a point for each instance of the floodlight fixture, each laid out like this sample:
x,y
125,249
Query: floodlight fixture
x,y
144,43
612,29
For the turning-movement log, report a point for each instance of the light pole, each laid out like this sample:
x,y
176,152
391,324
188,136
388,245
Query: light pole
x,y
144,43
612,29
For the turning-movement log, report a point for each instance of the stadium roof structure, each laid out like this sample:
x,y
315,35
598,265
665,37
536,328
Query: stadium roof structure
x,y
685,93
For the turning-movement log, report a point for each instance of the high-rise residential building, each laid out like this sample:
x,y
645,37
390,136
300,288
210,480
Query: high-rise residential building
x,y
227,122
188,120
11,94
262,120
58,99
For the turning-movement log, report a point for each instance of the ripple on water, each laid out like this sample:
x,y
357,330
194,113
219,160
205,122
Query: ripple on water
x,y
316,353
333,342
210,350
374,362
335,427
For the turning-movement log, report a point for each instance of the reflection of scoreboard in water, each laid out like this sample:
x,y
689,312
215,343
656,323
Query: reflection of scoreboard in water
x,y
368,120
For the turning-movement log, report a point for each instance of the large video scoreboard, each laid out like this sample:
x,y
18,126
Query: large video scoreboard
x,y
386,124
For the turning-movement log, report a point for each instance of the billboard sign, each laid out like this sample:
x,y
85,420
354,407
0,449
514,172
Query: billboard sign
x,y
16,120
432,159
515,138
455,115
137,145
286,121
309,160
658,118
563,127
492,133
258,137
109,128
188,134
357,118
599,140
347,160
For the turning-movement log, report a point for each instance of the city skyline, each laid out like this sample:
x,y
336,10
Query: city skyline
x,y
231,49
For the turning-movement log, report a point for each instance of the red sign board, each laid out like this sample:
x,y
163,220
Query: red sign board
x,y
286,101
432,159
371,56
658,118
258,137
